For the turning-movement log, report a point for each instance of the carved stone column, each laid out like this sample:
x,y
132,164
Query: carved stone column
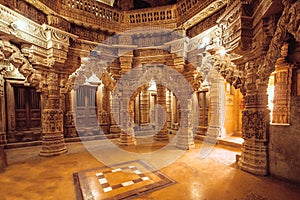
x,y
174,113
282,89
203,114
52,119
169,113
126,121
216,105
185,134
115,117
104,109
255,123
144,107
161,135
69,125
2,110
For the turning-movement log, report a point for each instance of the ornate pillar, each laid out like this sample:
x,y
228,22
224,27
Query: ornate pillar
x,y
137,109
2,109
282,89
217,105
174,113
255,123
115,116
169,113
69,124
161,135
185,134
144,107
52,119
104,108
126,122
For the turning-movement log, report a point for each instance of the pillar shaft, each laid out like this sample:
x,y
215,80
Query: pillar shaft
x,y
185,134
216,105
2,113
255,122
144,107
69,125
52,119
126,123
162,134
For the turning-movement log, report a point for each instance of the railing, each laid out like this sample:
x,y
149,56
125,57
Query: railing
x,y
94,13
152,16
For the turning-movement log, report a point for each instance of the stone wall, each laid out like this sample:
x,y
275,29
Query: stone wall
x,y
284,151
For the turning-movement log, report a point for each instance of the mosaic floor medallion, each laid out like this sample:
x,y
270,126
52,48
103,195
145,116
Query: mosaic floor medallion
x,y
120,181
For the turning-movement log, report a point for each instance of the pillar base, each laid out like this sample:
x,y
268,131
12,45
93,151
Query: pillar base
x,y
70,131
114,129
185,139
126,140
185,146
53,145
3,160
162,136
254,158
3,140
215,132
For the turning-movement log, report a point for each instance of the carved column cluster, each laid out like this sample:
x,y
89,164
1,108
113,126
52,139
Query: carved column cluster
x,y
256,119
282,89
161,135
52,119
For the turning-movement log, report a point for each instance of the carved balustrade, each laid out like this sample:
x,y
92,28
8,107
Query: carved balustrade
x,y
160,16
97,14
94,13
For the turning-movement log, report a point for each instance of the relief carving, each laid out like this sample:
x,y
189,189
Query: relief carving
x,y
255,125
52,121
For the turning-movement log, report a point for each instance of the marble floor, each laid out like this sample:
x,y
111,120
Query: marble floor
x,y
111,174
